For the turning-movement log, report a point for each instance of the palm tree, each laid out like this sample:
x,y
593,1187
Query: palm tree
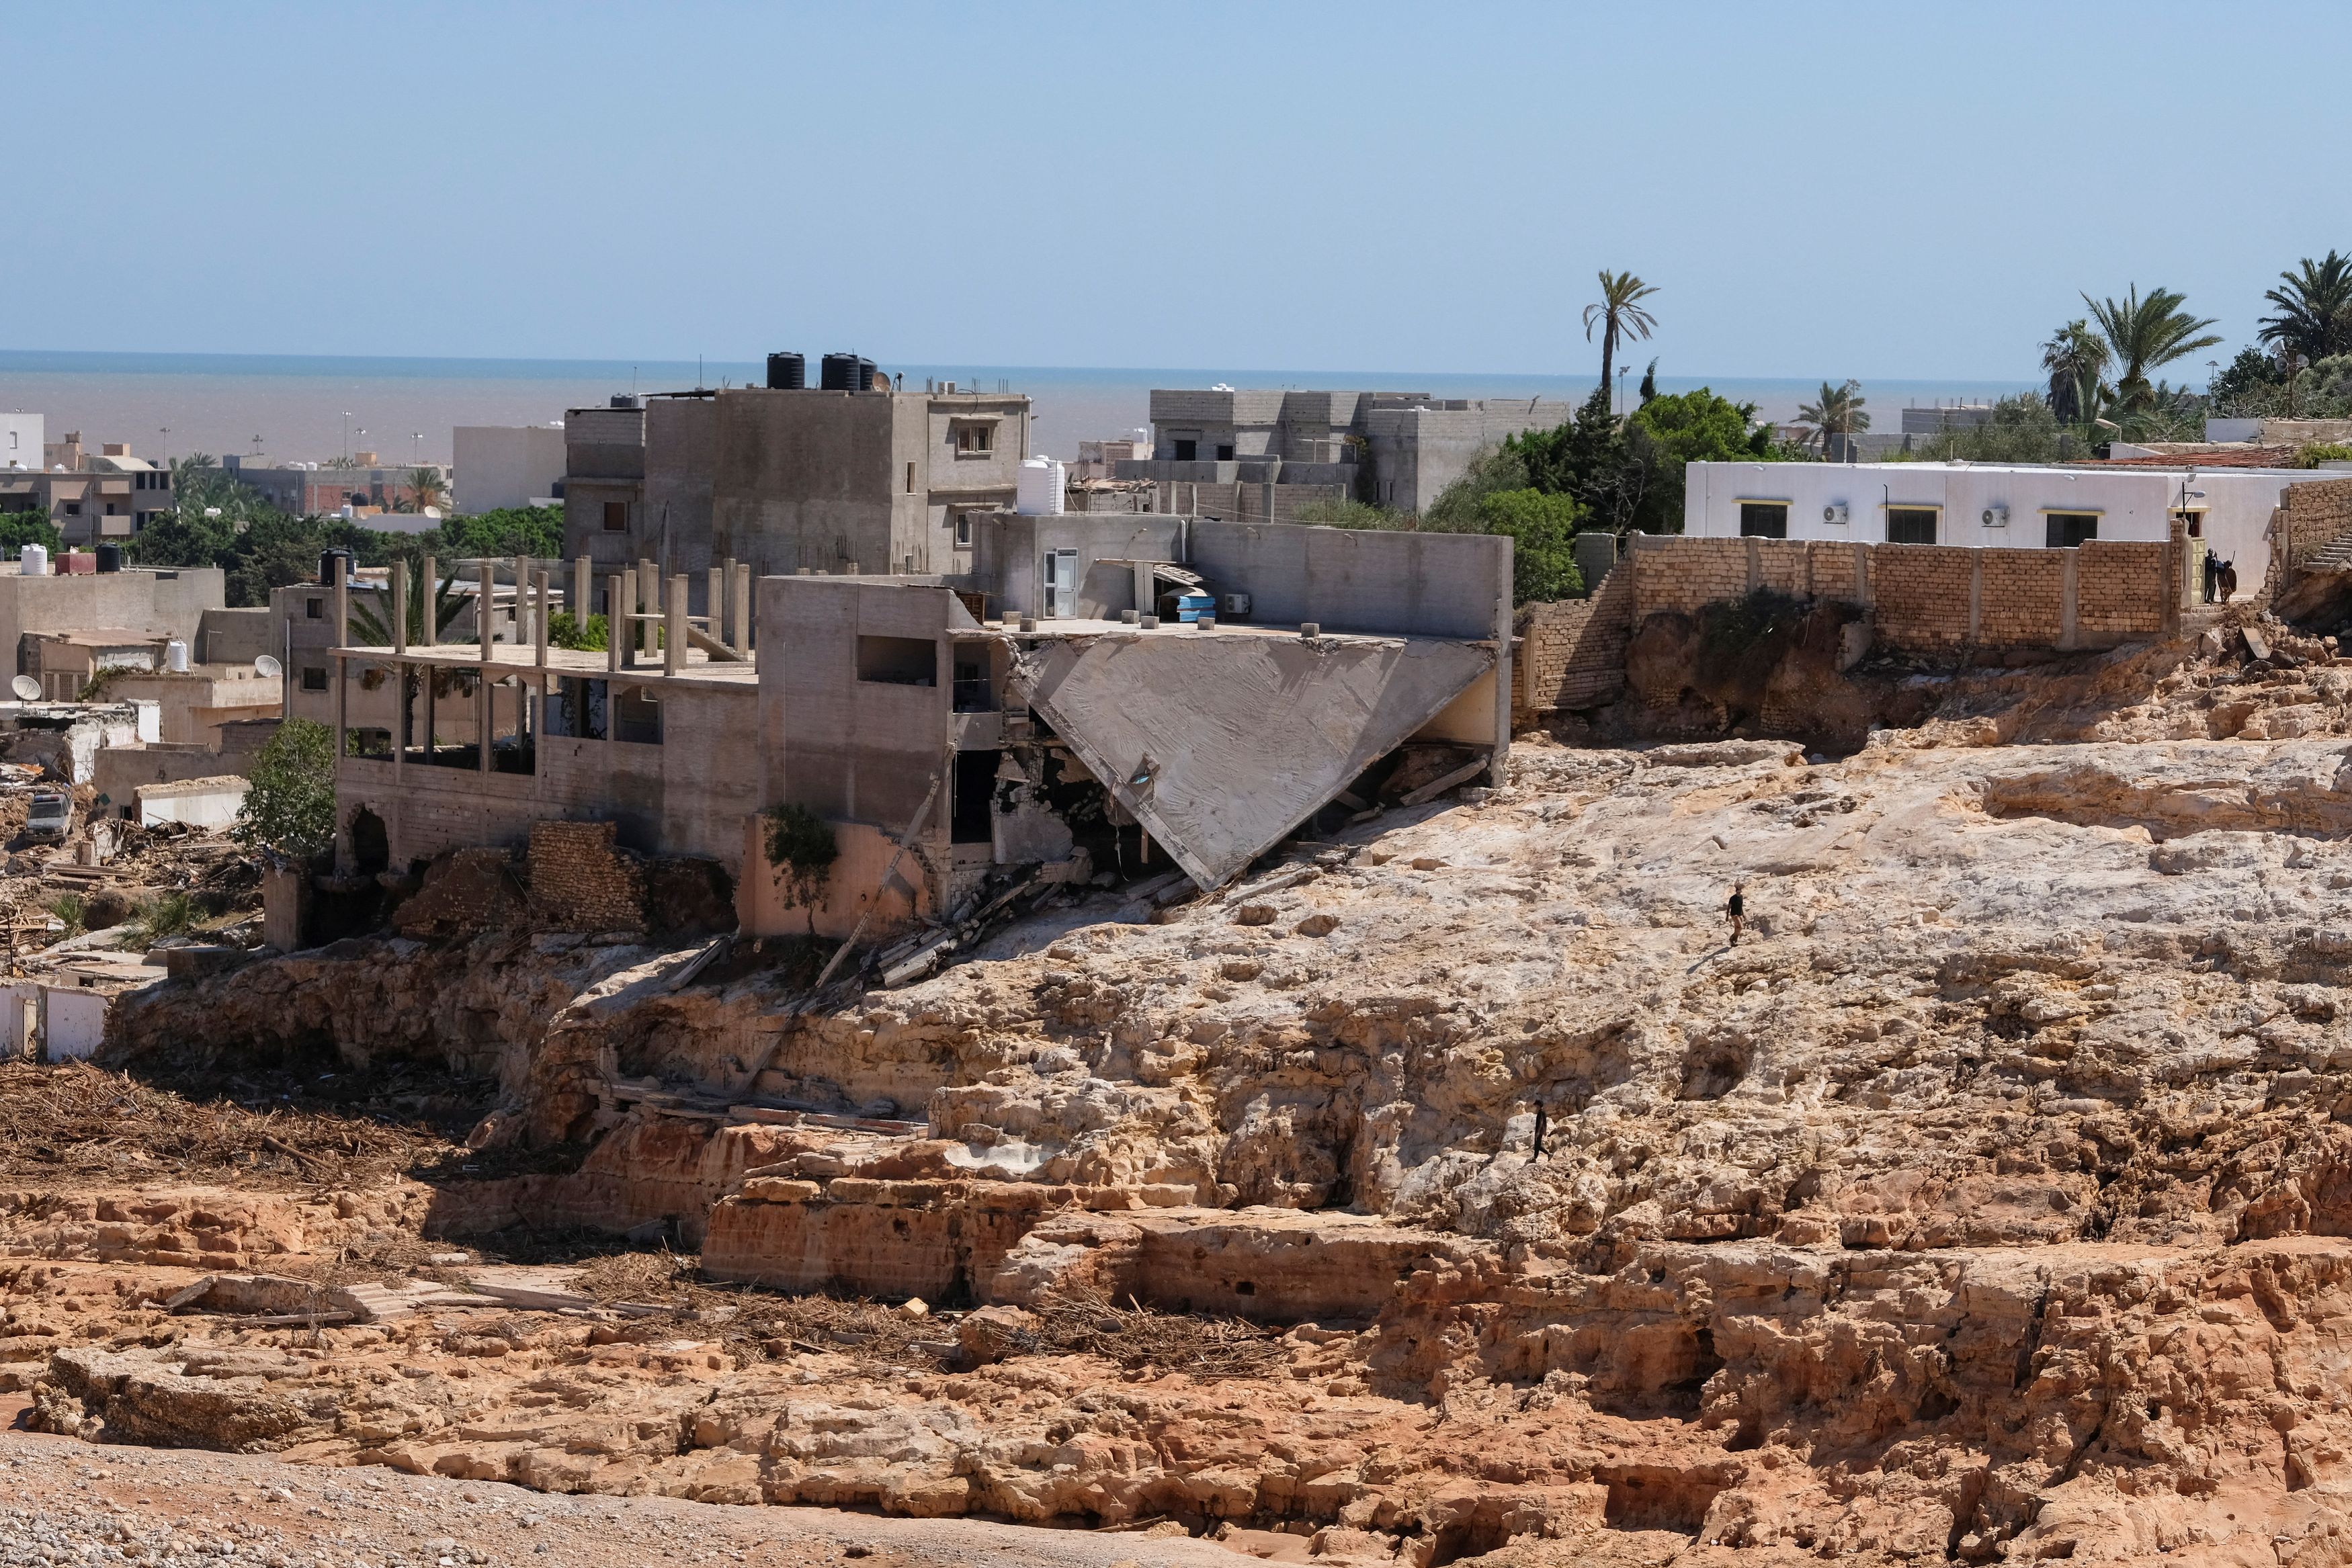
x,y
1838,413
2315,319
374,626
2075,358
424,485
2141,334
1620,315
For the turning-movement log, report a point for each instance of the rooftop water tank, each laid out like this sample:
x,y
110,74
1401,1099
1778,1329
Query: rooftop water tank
x,y
625,400
175,656
787,373
33,560
110,558
846,372
1037,490
327,558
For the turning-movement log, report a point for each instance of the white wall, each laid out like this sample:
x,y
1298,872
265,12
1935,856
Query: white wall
x,y
73,1022
213,808
2132,503
505,465
20,440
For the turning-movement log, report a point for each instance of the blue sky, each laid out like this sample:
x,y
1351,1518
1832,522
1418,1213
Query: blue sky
x,y
1903,190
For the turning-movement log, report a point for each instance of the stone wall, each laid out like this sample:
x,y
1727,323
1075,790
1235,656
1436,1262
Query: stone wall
x,y
2314,515
1572,652
580,878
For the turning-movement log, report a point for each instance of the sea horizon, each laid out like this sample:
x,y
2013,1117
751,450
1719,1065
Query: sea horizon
x,y
294,406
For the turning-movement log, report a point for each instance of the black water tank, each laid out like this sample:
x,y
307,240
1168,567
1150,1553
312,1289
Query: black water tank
x,y
327,566
110,558
787,373
846,372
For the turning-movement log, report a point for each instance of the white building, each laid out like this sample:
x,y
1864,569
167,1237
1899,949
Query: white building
x,y
20,440
1975,504
507,466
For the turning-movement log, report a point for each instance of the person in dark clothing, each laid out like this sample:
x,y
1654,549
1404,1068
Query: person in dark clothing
x,y
1541,1120
1736,908
2212,575
2229,580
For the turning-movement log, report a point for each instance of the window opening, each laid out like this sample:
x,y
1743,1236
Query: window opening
x,y
974,818
2065,530
1764,519
1910,525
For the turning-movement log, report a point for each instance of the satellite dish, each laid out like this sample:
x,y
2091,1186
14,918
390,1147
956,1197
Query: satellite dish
x,y
268,667
26,688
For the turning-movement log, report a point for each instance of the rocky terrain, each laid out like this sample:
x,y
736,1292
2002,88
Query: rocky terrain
x,y
1455,1188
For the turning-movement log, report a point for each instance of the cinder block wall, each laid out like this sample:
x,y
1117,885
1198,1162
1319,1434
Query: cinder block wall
x,y
1572,652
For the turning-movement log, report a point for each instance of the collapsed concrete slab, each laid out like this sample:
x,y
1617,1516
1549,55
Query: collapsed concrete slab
x,y
1221,745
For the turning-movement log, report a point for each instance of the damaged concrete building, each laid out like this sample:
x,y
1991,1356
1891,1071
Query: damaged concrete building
x,y
1098,697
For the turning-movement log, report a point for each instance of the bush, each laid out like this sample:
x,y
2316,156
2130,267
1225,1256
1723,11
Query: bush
x,y
565,629
167,915
291,805
18,529
2310,455
1540,526
1346,513
70,908
802,845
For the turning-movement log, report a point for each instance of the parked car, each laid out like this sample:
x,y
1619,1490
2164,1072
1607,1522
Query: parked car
x,y
50,817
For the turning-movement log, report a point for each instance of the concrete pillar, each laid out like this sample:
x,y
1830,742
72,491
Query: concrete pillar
x,y
539,594
581,604
399,607
1505,615
342,589
431,635
485,613
647,601
335,669
616,625
741,615
714,603
482,711
400,670
722,623
523,566
674,627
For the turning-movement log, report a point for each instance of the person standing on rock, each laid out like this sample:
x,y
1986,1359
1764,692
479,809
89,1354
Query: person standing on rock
x,y
1736,908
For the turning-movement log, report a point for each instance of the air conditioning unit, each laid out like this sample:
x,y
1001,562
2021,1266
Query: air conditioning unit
x,y
1835,512
1995,517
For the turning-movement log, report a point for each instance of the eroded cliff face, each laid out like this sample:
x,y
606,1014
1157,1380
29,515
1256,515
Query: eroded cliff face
x,y
1987,1199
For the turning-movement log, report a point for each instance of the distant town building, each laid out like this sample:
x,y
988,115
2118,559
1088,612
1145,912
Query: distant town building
x,y
313,489
90,499
507,466
1395,449
20,440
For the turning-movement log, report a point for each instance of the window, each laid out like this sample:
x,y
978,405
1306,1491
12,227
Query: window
x,y
73,509
636,716
963,530
616,516
315,608
314,678
911,478
1764,519
2067,529
1226,453
575,709
1910,525
898,661
1186,450
973,817
974,440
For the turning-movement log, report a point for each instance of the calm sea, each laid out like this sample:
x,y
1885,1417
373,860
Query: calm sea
x,y
301,407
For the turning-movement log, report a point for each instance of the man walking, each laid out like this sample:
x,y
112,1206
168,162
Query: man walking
x,y
1736,908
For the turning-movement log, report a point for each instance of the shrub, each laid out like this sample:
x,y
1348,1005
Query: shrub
x,y
1540,526
290,804
70,908
2312,454
565,629
802,845
167,915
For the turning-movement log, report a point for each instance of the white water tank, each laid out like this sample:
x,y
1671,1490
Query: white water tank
x,y
175,656
1037,492
33,560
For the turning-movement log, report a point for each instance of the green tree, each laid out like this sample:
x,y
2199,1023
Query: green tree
x,y
1835,415
1677,429
2249,384
371,611
2074,359
2315,308
1491,472
1540,527
289,805
425,488
1620,315
1650,382
18,529
2144,334
507,531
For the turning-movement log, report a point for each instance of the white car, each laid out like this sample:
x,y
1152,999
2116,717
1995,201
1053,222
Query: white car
x,y
50,817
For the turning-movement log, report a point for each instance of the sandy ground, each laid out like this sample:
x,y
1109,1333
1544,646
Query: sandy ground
x,y
62,1500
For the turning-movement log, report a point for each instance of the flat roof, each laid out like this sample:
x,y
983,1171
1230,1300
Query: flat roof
x,y
698,668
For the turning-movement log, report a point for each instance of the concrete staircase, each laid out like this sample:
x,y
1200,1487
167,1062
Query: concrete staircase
x,y
2335,557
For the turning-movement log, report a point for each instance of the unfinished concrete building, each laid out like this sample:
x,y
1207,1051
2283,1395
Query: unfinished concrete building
x,y
1394,449
790,478
1097,698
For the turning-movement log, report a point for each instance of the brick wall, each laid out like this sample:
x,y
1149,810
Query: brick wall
x,y
2315,516
2112,588
1933,599
1572,653
580,878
